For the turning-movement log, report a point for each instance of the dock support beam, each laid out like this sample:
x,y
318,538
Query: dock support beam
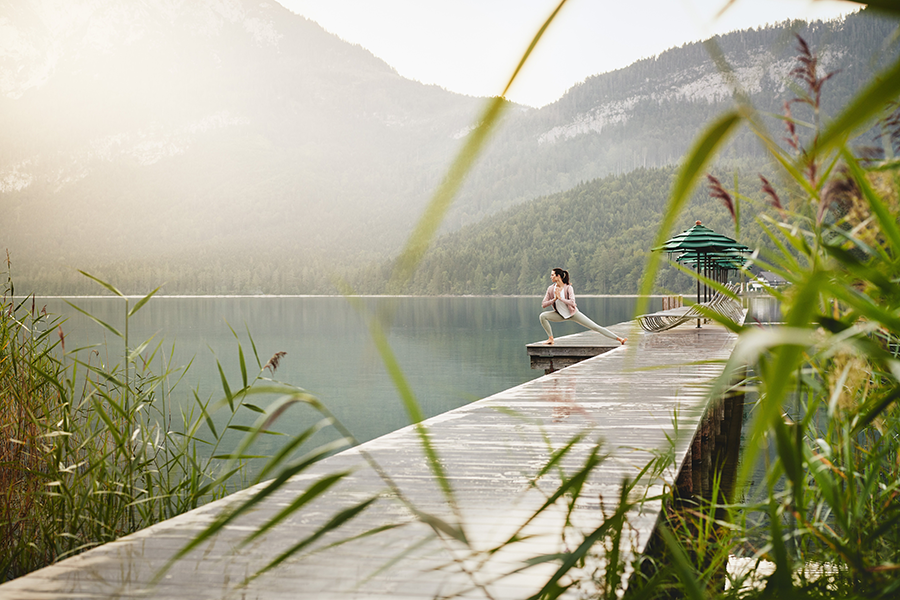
x,y
715,449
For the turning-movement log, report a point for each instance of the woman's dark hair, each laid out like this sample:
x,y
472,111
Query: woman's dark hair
x,y
562,273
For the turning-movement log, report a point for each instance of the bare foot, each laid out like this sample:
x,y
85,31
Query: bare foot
x,y
622,340
549,342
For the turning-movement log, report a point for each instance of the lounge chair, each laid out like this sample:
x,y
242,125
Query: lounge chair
x,y
720,303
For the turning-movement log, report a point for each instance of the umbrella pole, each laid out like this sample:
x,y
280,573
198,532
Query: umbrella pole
x,y
698,289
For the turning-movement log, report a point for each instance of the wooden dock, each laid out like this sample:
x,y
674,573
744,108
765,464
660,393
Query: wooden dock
x,y
491,450
572,349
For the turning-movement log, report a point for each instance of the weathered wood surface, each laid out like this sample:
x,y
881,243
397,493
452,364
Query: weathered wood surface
x,y
571,349
627,397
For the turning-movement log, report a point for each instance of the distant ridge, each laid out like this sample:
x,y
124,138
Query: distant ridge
x,y
601,231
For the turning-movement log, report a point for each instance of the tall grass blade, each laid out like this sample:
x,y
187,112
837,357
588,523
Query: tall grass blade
x,y
243,363
779,582
289,448
866,105
412,408
140,303
111,426
682,566
266,420
108,286
887,221
259,363
96,320
534,42
311,493
225,387
268,489
874,409
332,525
132,355
693,166
552,589
206,417
427,226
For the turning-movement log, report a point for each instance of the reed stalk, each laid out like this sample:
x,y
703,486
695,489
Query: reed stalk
x,y
90,449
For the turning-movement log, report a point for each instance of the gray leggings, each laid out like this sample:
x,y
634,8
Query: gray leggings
x,y
578,317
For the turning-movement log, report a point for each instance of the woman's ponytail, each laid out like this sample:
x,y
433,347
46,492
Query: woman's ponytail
x,y
563,274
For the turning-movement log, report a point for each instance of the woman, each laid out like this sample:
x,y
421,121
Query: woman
x,y
560,299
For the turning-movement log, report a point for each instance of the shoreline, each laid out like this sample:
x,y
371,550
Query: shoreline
x,y
208,296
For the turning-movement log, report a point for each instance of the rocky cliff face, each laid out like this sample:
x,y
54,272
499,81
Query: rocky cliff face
x,y
764,70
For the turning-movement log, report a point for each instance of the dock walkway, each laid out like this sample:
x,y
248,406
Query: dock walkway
x,y
491,450
572,349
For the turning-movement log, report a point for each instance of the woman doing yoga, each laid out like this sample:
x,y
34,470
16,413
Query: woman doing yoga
x,y
560,299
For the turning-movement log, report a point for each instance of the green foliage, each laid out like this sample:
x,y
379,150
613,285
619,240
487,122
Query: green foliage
x,y
92,449
601,231
827,379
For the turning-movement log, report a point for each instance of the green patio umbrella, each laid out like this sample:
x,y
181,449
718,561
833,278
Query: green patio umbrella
x,y
703,248
720,263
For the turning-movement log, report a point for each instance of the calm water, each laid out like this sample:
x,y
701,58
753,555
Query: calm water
x,y
452,350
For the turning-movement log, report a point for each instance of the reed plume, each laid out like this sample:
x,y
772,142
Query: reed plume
x,y
717,190
273,363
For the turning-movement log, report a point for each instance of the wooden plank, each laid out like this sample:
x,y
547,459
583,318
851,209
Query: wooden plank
x,y
579,343
571,349
491,450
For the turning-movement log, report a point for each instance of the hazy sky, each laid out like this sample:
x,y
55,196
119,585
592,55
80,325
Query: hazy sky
x,y
472,46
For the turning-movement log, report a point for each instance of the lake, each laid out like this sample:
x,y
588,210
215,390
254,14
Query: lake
x,y
453,350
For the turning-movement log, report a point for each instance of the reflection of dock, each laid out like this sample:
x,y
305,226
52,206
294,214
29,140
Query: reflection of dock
x,y
491,451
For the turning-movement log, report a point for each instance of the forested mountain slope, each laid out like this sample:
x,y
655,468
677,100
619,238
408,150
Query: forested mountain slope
x,y
601,231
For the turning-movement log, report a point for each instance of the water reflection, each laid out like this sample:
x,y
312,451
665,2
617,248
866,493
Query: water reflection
x,y
562,394
452,350
763,309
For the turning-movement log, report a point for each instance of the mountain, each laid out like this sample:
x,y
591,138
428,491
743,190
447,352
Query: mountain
x,y
145,129
230,146
601,231
648,114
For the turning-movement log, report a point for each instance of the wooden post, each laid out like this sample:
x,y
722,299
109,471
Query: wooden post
x,y
727,463
706,467
697,464
685,483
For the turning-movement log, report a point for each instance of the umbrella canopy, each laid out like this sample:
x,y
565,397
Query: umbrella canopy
x,y
704,249
700,239
730,260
